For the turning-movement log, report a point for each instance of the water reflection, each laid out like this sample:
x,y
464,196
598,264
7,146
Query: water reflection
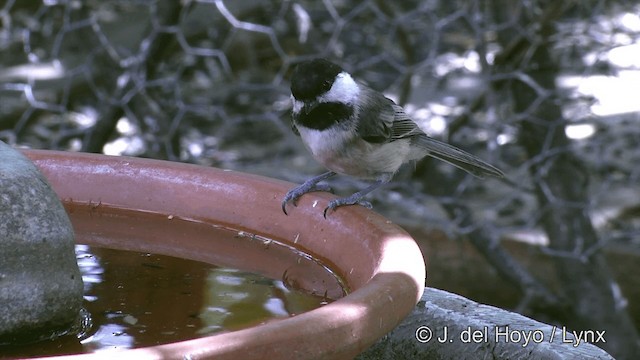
x,y
139,299
236,299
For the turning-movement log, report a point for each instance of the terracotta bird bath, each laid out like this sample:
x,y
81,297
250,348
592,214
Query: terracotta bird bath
x,y
166,208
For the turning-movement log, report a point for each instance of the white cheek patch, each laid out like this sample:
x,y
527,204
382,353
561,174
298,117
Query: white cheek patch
x,y
297,105
344,90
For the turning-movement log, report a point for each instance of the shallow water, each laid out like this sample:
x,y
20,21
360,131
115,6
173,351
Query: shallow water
x,y
139,299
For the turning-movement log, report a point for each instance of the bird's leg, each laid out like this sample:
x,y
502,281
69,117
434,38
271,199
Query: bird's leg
x,y
356,198
308,186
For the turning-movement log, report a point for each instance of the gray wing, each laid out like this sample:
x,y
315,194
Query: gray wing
x,y
402,126
380,120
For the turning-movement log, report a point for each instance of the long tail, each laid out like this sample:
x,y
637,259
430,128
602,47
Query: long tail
x,y
456,157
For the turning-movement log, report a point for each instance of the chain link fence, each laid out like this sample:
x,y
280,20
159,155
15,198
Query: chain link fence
x,y
547,91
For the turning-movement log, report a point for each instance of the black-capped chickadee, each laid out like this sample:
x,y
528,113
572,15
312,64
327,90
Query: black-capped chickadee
x,y
354,130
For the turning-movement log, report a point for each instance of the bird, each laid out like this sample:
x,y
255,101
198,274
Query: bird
x,y
354,130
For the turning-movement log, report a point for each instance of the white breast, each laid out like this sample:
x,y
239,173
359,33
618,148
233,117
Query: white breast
x,y
341,151
325,144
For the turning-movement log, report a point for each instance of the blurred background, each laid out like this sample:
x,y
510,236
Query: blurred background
x,y
548,91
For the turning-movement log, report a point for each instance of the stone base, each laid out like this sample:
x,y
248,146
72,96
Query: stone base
x,y
448,326
40,283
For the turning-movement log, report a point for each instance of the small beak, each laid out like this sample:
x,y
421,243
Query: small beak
x,y
308,107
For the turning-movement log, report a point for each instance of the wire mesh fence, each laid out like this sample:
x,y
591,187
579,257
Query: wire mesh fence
x,y
545,90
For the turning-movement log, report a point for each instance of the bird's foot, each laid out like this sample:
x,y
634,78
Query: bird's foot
x,y
355,199
294,194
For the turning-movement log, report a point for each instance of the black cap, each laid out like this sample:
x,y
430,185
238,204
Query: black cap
x,y
313,78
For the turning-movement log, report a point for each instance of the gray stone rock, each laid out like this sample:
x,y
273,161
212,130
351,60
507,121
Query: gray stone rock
x,y
40,283
477,331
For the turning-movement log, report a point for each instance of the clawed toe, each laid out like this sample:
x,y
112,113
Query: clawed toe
x,y
334,204
294,194
284,207
291,196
